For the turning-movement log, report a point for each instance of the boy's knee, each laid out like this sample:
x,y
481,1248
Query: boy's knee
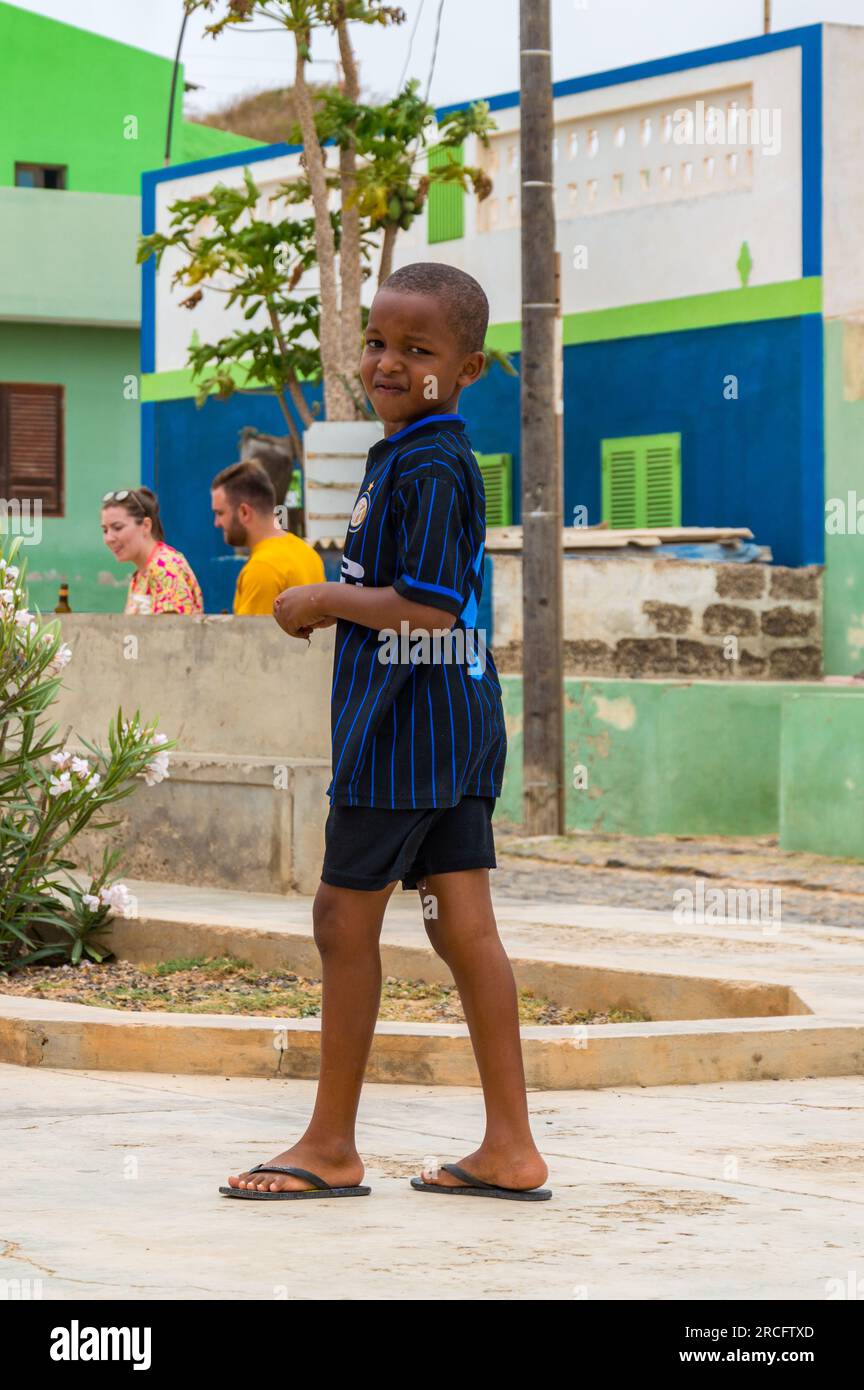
x,y
328,918
430,919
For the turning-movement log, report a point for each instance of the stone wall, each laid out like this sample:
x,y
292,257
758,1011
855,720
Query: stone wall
x,y
656,617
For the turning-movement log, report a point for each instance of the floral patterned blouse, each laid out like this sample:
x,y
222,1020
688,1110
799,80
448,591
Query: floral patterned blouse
x,y
166,584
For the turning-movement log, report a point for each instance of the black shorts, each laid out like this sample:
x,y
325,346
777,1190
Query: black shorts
x,y
366,847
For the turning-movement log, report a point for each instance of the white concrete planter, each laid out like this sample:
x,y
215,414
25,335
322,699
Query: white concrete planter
x,y
334,462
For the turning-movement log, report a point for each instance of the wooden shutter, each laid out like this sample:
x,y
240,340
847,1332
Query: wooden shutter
x,y
641,482
497,470
31,445
663,480
446,201
620,466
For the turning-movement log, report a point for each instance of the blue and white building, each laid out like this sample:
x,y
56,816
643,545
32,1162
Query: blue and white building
x,y
709,211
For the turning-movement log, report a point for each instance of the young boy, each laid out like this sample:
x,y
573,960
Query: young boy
x,y
418,748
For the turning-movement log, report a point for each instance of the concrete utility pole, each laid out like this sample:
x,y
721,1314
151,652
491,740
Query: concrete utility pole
x,y
542,500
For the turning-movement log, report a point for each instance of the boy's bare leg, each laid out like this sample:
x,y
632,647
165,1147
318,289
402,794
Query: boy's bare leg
x,y
465,935
347,931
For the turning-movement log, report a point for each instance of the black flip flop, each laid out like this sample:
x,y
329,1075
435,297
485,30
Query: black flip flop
x,y
321,1188
478,1188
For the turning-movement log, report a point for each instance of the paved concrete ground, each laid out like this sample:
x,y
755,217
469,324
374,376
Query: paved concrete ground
x,y
741,1191
746,1190
633,871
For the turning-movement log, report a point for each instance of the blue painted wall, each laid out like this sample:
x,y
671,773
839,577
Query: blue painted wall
x,y
491,407
756,461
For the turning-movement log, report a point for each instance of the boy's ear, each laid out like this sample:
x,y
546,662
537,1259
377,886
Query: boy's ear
x,y
471,368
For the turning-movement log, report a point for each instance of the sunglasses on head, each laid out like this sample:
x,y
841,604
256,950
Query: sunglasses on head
x,y
121,495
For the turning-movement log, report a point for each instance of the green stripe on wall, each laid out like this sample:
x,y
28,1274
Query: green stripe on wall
x,y
786,300
171,386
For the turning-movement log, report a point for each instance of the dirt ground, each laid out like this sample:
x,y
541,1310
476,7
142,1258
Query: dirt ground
x,y
626,871
227,986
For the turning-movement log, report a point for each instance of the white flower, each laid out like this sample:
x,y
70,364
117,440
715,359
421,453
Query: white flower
x,y
93,783
160,738
23,617
81,766
61,658
117,896
12,571
92,902
59,785
156,771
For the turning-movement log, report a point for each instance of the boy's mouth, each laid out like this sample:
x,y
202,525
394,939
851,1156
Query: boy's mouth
x,y
389,388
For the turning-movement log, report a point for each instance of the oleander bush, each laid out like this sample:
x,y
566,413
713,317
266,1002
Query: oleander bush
x,y
49,792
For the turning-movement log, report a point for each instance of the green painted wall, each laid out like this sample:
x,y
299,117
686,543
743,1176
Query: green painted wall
x,y
102,452
785,299
822,783
73,256
844,554
662,758
196,141
72,97
703,758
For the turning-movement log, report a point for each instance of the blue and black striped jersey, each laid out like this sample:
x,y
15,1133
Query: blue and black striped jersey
x,y
417,720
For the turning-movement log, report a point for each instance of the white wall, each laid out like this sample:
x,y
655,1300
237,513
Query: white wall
x,y
842,180
644,243
647,239
211,320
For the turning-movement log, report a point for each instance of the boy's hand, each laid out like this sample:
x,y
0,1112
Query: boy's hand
x,y
298,610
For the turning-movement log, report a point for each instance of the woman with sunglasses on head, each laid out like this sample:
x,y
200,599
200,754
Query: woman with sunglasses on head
x,y
163,581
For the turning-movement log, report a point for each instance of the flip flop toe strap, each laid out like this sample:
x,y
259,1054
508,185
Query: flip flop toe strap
x,y
294,1172
459,1172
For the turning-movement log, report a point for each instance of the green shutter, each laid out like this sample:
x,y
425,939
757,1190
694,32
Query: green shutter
x,y
642,480
497,470
446,201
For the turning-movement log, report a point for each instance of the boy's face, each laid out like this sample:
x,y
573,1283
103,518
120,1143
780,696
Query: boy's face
x,y
412,364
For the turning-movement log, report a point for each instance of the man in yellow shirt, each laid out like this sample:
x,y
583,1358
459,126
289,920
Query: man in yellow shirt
x,y
244,509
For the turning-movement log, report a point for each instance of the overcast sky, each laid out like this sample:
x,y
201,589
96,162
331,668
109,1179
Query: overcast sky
x,y
478,49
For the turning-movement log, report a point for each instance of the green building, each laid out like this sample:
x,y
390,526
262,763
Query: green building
x,y
81,117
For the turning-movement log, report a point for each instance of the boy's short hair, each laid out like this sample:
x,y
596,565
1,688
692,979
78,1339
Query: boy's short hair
x,y
247,481
465,304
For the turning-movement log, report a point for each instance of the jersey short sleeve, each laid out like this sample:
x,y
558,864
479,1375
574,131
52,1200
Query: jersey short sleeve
x,y
433,549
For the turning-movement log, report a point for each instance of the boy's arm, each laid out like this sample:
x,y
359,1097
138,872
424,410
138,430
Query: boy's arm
x,y
299,610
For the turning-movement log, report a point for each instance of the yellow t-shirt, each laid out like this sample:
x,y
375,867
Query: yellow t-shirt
x,y
280,562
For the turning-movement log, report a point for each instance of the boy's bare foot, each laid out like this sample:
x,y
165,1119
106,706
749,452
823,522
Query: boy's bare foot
x,y
342,1168
505,1169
